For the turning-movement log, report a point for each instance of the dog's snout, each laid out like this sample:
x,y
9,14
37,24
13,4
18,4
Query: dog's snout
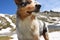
x,y
38,6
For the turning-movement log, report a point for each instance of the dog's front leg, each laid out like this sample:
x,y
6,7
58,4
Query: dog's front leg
x,y
35,37
35,31
45,35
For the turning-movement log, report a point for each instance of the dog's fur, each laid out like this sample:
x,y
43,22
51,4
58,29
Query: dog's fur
x,y
27,25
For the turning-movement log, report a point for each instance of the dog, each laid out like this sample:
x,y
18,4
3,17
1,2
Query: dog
x,y
28,27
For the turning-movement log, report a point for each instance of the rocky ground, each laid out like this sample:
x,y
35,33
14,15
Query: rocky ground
x,y
52,36
7,27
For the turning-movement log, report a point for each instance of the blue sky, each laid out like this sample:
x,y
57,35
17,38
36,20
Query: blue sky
x,y
9,7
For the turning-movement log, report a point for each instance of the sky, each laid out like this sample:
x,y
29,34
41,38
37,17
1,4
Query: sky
x,y
9,6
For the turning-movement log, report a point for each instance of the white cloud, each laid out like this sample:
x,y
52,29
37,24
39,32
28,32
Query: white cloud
x,y
56,9
50,4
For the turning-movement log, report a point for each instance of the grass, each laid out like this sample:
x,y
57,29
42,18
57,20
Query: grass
x,y
53,30
5,38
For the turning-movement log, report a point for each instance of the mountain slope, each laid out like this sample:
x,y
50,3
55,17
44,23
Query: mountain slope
x,y
5,20
8,24
10,21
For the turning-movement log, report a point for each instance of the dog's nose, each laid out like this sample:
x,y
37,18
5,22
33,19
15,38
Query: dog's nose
x,y
38,6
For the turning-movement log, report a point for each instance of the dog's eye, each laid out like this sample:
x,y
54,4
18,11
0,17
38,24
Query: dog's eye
x,y
23,4
28,2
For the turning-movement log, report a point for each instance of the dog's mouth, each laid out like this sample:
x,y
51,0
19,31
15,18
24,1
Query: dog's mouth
x,y
36,11
29,12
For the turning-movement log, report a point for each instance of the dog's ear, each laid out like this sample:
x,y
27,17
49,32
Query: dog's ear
x,y
17,1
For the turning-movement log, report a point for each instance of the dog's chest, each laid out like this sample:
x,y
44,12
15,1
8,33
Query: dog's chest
x,y
24,28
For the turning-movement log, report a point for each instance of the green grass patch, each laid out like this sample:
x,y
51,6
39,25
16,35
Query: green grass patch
x,y
5,38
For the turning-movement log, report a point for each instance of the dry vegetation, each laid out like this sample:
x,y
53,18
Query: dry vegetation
x,y
5,38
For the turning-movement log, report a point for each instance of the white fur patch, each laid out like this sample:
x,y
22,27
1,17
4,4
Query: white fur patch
x,y
24,28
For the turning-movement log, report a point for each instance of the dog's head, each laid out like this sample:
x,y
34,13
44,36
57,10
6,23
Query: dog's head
x,y
28,5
